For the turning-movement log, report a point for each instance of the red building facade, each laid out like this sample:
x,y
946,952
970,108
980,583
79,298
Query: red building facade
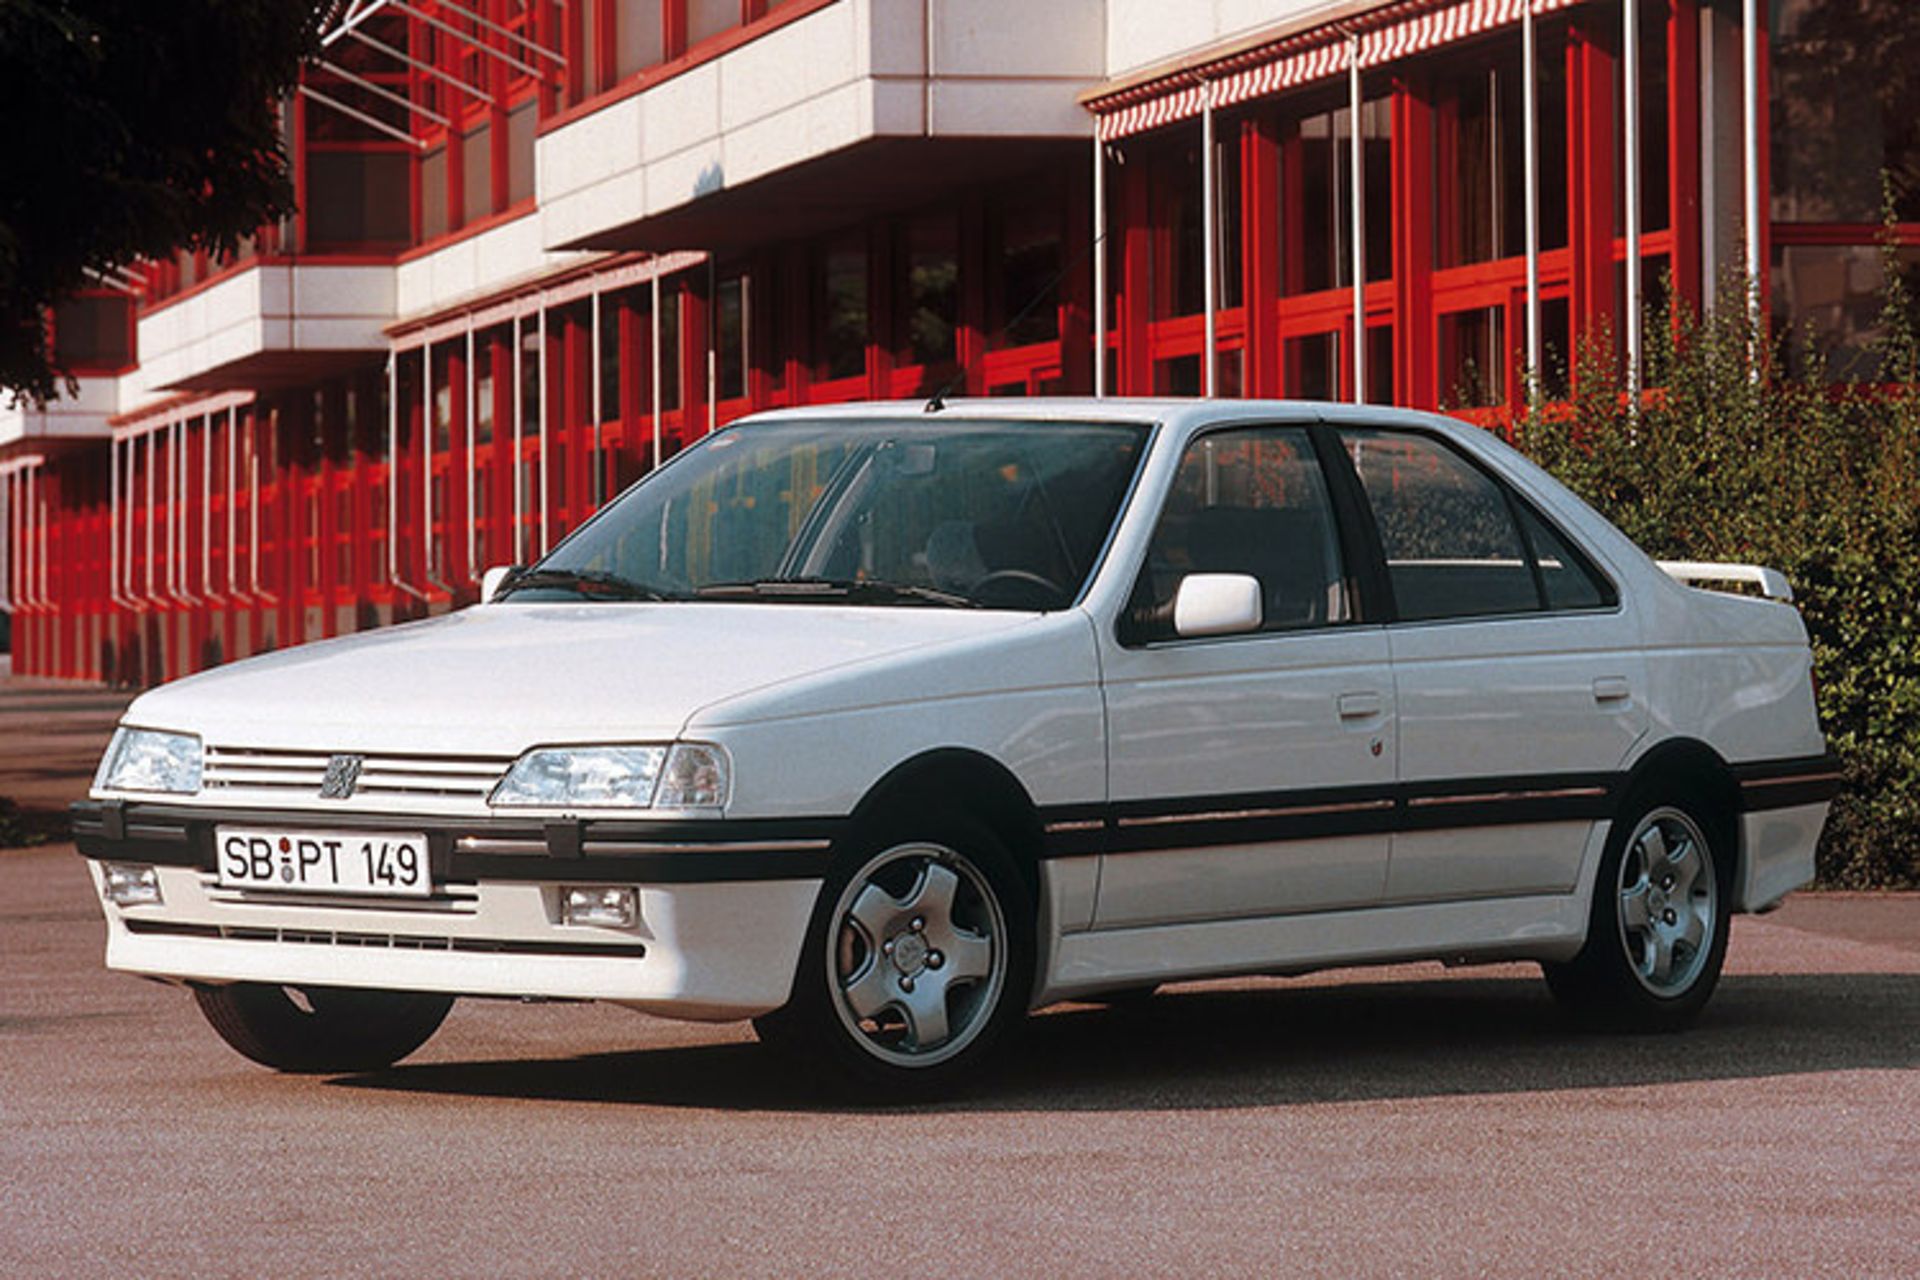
x,y
494,310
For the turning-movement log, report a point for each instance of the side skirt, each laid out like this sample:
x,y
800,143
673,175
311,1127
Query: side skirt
x,y
1544,927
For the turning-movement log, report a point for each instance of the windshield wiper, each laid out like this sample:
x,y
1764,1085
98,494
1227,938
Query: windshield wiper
x,y
594,584
852,591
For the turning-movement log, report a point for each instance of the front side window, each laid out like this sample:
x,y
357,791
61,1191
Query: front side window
x,y
972,514
1453,538
1253,502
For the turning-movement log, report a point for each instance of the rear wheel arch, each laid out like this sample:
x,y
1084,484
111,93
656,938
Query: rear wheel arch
x,y
1691,767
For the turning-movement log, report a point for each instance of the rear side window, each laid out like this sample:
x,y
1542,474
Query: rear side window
x,y
1570,582
1251,501
1457,545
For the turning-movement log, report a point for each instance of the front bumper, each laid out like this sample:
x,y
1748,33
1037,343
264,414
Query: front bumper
x,y
723,909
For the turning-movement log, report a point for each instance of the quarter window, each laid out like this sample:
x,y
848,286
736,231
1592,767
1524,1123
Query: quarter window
x,y
1565,576
1255,502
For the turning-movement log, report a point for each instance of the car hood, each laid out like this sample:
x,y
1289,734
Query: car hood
x,y
500,678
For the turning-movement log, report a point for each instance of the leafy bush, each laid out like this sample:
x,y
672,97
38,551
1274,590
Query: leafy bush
x,y
1720,461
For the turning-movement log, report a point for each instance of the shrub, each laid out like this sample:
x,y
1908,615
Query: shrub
x,y
1719,460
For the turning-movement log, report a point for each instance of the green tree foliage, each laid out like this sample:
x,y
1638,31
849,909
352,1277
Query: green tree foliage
x,y
132,128
1723,462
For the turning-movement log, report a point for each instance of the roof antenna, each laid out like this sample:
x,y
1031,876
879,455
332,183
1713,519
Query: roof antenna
x,y
938,400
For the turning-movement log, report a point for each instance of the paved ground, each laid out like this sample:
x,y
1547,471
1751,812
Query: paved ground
x,y
1399,1122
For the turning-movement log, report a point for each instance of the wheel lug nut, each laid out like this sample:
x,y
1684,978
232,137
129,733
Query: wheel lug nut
x,y
886,948
935,959
906,983
919,924
1671,917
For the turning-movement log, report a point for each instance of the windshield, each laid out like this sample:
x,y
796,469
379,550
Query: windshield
x,y
1007,515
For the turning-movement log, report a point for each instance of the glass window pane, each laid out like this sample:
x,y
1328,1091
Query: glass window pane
x,y
476,159
1473,358
433,194
1845,108
1828,306
731,337
357,198
932,302
1251,502
1029,243
1312,367
638,35
844,342
709,18
1446,529
1567,577
520,131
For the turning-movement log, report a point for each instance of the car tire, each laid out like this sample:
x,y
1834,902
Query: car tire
x,y
321,1029
1657,932
917,961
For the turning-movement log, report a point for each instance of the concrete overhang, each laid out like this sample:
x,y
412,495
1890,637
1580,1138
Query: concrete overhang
x,y
855,108
269,324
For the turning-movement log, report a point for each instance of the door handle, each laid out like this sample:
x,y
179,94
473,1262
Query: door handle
x,y
1611,689
1359,706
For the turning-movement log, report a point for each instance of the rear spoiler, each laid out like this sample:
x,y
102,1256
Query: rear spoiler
x,y
1772,583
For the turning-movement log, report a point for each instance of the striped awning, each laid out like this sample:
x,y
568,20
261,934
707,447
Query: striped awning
x,y
1384,36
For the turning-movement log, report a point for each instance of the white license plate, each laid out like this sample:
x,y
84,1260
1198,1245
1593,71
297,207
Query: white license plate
x,y
383,862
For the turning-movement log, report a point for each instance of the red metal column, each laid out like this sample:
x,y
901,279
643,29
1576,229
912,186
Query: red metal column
x,y
1416,370
695,341
1260,219
1136,265
1590,70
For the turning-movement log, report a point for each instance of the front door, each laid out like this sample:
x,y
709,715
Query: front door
x,y
1251,775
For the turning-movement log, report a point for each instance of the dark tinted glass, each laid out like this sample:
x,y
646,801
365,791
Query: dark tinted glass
x,y
1452,548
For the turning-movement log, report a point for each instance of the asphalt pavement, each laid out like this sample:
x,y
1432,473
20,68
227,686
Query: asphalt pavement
x,y
1411,1121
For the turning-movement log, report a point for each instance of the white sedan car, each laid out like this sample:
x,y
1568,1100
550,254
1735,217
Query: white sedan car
x,y
882,726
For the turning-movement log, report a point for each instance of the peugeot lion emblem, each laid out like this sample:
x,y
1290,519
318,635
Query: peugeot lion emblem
x,y
342,773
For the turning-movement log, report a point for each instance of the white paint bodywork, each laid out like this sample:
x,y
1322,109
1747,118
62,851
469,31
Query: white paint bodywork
x,y
815,705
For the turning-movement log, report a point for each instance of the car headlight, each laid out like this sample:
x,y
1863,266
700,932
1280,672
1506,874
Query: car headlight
x,y
146,760
688,775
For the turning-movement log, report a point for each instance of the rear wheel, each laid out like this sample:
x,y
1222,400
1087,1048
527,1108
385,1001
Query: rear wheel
x,y
1658,932
321,1029
919,956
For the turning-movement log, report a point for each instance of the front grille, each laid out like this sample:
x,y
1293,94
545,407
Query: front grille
x,y
250,769
388,941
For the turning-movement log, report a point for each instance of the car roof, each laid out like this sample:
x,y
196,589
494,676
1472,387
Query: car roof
x,y
1172,411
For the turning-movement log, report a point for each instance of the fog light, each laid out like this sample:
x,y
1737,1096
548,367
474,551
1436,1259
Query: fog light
x,y
132,885
615,908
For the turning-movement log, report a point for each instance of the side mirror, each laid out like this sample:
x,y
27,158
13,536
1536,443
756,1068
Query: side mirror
x,y
494,579
1216,604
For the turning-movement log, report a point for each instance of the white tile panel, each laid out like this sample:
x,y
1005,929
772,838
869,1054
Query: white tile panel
x,y
1141,33
252,314
840,76
84,413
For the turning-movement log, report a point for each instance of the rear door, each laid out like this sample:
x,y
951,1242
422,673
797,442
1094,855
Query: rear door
x,y
1520,679
1251,774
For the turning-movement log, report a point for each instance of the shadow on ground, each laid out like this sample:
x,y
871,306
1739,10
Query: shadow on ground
x,y
1278,1046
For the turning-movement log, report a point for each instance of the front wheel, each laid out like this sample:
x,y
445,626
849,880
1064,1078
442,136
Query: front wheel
x,y
1658,931
919,955
321,1029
